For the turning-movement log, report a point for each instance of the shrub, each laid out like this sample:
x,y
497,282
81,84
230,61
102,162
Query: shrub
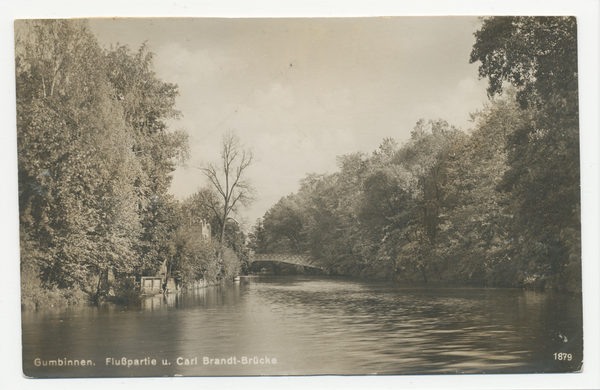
x,y
36,297
123,291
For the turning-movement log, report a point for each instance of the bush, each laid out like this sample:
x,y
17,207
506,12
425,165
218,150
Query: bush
x,y
40,298
198,259
123,291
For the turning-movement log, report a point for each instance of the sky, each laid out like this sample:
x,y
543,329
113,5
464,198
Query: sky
x,y
301,91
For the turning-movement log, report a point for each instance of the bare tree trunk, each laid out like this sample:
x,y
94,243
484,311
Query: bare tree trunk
x,y
228,179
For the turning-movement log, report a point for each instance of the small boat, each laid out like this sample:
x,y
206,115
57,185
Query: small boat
x,y
236,279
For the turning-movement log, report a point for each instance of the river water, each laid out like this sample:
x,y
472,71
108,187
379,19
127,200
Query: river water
x,y
309,325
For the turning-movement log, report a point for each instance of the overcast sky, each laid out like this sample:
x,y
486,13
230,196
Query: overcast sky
x,y
300,92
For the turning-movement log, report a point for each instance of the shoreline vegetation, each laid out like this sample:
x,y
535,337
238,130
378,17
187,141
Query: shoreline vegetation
x,y
123,290
96,157
496,206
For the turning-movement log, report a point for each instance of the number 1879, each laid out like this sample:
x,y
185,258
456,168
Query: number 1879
x,y
563,356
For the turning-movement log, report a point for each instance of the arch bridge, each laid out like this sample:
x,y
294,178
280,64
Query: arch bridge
x,y
279,260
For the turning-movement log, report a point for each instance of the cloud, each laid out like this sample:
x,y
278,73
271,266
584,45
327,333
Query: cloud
x,y
177,63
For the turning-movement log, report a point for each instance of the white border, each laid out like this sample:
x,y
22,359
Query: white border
x,y
588,14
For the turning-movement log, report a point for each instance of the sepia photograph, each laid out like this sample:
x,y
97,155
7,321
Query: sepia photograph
x,y
299,196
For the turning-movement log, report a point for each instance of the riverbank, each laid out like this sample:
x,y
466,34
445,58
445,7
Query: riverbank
x,y
37,297
423,276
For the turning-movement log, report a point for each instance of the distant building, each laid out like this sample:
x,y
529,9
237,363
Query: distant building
x,y
205,230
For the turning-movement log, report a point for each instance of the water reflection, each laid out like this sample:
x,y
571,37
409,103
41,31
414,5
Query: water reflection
x,y
315,325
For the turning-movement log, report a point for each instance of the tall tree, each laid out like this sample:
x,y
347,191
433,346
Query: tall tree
x,y
473,245
95,154
536,54
229,178
148,103
539,56
284,224
163,216
77,198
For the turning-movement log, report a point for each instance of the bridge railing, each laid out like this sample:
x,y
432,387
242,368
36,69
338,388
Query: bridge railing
x,y
305,260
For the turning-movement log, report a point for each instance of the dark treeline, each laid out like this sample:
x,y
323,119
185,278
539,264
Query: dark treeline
x,y
499,206
96,157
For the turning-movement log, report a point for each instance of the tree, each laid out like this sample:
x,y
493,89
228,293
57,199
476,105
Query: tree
x,y
228,178
147,103
163,216
473,244
95,154
282,226
76,165
202,205
538,55
258,237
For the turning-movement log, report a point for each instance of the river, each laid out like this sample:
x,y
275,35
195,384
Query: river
x,y
309,325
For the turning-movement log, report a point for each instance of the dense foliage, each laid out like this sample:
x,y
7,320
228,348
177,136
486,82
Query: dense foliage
x,y
96,158
498,206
